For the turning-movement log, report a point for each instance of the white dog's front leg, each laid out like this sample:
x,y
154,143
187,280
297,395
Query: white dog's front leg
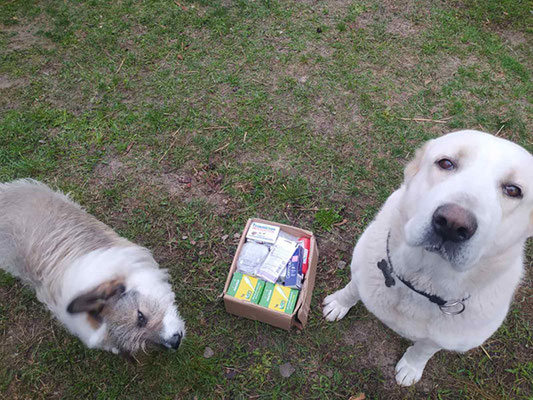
x,y
410,367
336,305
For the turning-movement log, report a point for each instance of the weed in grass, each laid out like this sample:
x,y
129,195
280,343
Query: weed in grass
x,y
326,218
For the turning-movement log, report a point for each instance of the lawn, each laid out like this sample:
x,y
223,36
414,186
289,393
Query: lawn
x,y
176,121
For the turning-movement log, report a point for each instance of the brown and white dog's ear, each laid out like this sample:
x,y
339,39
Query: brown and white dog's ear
x,y
414,165
94,301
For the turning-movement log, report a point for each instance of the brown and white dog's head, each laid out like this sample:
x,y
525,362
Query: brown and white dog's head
x,y
136,310
468,194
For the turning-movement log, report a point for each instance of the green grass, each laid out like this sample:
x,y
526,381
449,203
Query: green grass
x,y
174,122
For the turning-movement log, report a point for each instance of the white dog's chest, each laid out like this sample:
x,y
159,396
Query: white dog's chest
x,y
403,310
416,318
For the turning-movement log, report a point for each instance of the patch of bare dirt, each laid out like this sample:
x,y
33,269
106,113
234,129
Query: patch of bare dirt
x,y
364,20
374,345
524,294
26,326
109,169
201,185
25,35
395,24
514,38
395,16
400,92
189,183
326,114
401,27
224,105
449,67
377,347
6,82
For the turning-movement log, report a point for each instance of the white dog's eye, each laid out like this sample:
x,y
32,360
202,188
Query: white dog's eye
x,y
446,164
512,191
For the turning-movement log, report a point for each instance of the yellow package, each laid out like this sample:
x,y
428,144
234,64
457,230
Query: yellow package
x,y
246,287
279,298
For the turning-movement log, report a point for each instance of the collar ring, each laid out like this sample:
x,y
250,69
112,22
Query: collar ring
x,y
453,307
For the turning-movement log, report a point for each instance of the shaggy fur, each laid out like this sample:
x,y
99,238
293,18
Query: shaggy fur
x,y
484,269
106,290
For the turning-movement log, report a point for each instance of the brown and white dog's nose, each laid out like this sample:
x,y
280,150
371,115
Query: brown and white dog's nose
x,y
454,223
174,341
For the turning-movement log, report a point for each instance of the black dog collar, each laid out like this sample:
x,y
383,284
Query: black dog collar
x,y
451,307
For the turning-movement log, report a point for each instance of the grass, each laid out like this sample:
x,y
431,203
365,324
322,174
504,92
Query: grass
x,y
174,122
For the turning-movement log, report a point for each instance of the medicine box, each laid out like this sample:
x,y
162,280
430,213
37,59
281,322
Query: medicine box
x,y
286,318
279,298
246,287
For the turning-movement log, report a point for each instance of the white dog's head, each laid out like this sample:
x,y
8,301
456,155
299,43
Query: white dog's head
x,y
137,310
468,195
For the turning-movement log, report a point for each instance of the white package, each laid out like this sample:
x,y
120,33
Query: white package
x,y
280,254
262,233
251,257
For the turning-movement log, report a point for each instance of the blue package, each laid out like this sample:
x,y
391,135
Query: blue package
x,y
294,276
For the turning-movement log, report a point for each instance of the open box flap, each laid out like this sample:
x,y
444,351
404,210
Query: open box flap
x,y
303,312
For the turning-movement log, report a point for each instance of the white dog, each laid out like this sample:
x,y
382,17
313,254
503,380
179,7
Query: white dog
x,y
442,259
106,290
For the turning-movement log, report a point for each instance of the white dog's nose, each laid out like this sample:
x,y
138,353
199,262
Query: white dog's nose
x,y
454,223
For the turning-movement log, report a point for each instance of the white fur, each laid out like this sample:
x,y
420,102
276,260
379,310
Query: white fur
x,y
488,268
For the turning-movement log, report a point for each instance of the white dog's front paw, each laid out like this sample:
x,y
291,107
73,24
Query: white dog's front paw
x,y
407,374
333,309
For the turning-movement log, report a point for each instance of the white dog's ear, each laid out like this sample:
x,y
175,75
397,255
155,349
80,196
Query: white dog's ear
x,y
95,300
414,165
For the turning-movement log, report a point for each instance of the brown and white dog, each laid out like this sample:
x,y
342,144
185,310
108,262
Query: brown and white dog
x,y
106,290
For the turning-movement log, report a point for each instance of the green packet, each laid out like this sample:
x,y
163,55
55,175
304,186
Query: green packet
x,y
279,298
246,287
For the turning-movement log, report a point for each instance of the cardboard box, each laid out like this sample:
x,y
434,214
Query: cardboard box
x,y
256,312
